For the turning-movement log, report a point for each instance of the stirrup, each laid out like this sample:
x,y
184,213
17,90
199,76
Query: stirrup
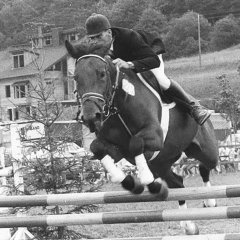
x,y
200,114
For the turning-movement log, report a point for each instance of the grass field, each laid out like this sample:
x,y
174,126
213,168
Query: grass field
x,y
202,81
166,228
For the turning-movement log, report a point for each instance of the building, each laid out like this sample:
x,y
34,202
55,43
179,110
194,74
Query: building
x,y
21,66
221,125
44,59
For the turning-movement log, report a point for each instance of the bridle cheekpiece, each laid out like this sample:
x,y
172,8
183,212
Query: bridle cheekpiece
x,y
108,108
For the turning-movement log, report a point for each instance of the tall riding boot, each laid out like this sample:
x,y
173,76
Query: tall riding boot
x,y
178,94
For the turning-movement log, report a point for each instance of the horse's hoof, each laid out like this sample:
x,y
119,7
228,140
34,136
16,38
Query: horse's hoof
x,y
154,187
138,187
159,188
192,230
132,184
209,203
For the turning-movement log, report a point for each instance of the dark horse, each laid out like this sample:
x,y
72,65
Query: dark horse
x,y
126,116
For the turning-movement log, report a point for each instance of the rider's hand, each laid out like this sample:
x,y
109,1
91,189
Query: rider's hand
x,y
122,64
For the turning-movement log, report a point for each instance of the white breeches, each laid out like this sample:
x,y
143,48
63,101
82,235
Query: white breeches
x,y
162,79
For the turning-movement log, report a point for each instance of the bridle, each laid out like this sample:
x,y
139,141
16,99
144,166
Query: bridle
x,y
108,107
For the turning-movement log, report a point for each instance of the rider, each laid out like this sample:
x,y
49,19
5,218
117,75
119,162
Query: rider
x,y
131,50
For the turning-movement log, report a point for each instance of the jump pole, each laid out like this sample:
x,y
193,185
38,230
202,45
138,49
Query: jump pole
x,y
121,217
119,197
229,236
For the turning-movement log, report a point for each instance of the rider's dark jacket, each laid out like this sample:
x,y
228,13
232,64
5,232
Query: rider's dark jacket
x,y
136,47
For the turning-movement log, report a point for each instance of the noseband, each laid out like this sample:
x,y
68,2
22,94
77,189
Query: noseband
x,y
93,96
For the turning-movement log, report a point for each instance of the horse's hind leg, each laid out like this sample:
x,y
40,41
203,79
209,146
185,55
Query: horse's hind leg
x,y
206,151
205,174
175,181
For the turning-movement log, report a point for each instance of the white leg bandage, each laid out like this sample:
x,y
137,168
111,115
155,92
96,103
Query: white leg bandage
x,y
116,174
209,202
144,173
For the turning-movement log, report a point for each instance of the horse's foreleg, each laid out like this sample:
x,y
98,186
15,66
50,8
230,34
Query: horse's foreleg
x,y
102,151
116,174
205,174
145,175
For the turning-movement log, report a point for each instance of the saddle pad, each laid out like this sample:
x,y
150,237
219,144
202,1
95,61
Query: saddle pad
x,y
164,124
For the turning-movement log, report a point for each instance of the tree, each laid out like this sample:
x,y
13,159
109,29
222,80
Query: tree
x,y
152,21
126,13
228,102
184,30
104,8
2,39
226,33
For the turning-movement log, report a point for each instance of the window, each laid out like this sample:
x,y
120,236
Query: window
x,y
10,114
50,85
48,40
24,110
18,60
28,110
21,89
55,67
16,114
72,37
8,91
13,114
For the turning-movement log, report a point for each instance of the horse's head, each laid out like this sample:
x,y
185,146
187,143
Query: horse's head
x,y
94,86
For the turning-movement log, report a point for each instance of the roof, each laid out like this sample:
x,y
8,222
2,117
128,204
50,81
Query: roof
x,y
47,57
220,122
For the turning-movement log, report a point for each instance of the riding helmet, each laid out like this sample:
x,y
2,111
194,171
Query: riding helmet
x,y
96,24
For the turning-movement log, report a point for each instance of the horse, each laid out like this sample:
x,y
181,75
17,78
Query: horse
x,y
125,114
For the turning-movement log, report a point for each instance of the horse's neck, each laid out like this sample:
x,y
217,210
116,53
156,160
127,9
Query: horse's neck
x,y
132,93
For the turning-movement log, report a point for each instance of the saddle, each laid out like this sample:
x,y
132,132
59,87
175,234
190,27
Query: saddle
x,y
152,81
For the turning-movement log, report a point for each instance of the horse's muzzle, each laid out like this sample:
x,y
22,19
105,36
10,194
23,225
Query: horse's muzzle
x,y
94,124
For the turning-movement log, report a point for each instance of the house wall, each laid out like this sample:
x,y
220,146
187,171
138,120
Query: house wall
x,y
12,102
28,58
58,83
63,82
9,102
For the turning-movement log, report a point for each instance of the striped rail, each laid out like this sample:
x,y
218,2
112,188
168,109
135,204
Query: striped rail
x,y
119,197
121,217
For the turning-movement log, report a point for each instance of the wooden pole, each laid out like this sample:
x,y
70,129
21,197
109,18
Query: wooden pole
x,y
199,42
5,233
119,197
122,217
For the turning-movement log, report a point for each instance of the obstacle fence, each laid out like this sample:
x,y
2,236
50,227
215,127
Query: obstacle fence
x,y
139,216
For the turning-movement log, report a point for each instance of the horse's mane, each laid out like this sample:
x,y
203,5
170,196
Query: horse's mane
x,y
87,46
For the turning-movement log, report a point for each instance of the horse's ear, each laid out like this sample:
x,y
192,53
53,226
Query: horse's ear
x,y
71,49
